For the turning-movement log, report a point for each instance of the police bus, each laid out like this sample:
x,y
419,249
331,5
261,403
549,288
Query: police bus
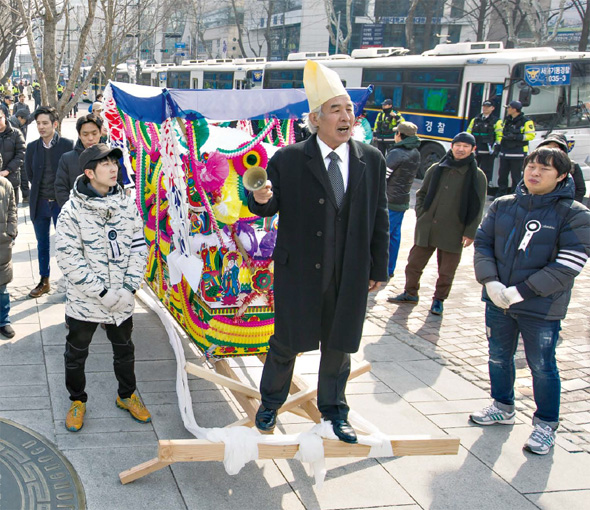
x,y
442,89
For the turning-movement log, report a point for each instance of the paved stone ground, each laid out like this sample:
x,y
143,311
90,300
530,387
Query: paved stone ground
x,y
458,340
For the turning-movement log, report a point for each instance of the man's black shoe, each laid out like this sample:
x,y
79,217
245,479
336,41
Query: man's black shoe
x,y
344,431
7,331
266,419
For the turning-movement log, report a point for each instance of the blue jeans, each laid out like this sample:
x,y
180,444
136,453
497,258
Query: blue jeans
x,y
539,338
395,236
4,306
47,210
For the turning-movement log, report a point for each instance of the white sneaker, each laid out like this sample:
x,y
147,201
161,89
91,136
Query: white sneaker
x,y
491,415
541,440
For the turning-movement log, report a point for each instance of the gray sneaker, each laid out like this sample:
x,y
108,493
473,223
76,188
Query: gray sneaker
x,y
491,415
541,440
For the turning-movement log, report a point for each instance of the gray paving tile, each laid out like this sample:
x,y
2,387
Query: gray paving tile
x,y
459,482
24,348
403,382
39,420
451,406
371,484
501,449
84,440
442,380
572,500
99,470
17,375
393,351
258,485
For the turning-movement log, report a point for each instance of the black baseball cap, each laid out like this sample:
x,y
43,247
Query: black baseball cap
x,y
98,152
514,104
487,103
387,102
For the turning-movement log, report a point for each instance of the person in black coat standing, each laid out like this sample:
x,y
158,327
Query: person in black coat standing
x,y
403,161
331,249
12,149
41,159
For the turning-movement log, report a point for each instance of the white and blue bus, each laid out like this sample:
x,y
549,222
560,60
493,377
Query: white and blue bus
x,y
442,89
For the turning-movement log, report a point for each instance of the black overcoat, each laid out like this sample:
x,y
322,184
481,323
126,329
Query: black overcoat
x,y
300,196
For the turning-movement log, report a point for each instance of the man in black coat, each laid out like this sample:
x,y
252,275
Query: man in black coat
x,y
12,149
331,249
41,159
68,169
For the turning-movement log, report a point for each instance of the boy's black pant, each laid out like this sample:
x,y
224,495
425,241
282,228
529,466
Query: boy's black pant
x,y
77,344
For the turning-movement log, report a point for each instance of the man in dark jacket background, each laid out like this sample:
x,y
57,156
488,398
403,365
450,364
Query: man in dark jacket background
x,y
403,161
89,129
41,160
331,249
449,207
12,149
529,248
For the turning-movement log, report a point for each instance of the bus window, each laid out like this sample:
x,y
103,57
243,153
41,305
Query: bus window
x,y
431,99
178,79
387,83
580,95
475,100
283,79
218,80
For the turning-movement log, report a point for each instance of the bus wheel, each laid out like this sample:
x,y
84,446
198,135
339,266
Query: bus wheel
x,y
430,153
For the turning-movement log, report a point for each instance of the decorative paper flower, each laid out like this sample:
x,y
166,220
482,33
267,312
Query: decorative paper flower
x,y
262,280
213,173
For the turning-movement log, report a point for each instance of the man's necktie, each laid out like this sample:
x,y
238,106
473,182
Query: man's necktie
x,y
336,178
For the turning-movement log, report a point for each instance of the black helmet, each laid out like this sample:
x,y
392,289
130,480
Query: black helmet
x,y
387,102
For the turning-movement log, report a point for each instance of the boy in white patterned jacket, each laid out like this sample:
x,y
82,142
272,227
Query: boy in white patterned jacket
x,y
102,253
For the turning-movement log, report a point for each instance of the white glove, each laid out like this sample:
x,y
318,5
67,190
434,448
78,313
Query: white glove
x,y
110,299
512,295
495,292
126,299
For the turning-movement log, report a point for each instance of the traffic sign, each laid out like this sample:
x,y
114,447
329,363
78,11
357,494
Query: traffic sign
x,y
180,45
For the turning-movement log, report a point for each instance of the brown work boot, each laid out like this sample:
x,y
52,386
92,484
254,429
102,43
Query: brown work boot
x,y
135,407
42,288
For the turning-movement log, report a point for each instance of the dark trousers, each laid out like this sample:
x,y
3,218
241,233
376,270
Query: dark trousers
x,y
333,373
77,344
47,210
512,166
384,146
486,163
24,184
447,266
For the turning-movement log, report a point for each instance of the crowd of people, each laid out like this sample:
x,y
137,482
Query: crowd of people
x,y
341,206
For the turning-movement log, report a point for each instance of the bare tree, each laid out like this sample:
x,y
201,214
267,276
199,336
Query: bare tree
x,y
335,25
477,14
581,7
12,29
429,8
519,15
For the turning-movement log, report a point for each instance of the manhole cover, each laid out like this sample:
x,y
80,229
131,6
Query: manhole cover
x,y
34,475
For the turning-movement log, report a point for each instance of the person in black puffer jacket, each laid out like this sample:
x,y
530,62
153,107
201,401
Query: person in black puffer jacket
x,y
528,250
12,149
403,161
559,141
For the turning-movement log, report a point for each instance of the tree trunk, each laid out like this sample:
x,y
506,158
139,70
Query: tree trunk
x,y
583,45
481,18
410,26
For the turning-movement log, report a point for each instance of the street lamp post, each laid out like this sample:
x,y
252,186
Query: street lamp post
x,y
138,57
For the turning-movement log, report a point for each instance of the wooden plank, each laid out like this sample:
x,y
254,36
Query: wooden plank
x,y
195,450
142,469
248,404
222,380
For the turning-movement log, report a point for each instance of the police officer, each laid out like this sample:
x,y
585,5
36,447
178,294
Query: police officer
x,y
517,131
487,130
385,124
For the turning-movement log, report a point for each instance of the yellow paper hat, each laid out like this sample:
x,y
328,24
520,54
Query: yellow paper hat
x,y
321,84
